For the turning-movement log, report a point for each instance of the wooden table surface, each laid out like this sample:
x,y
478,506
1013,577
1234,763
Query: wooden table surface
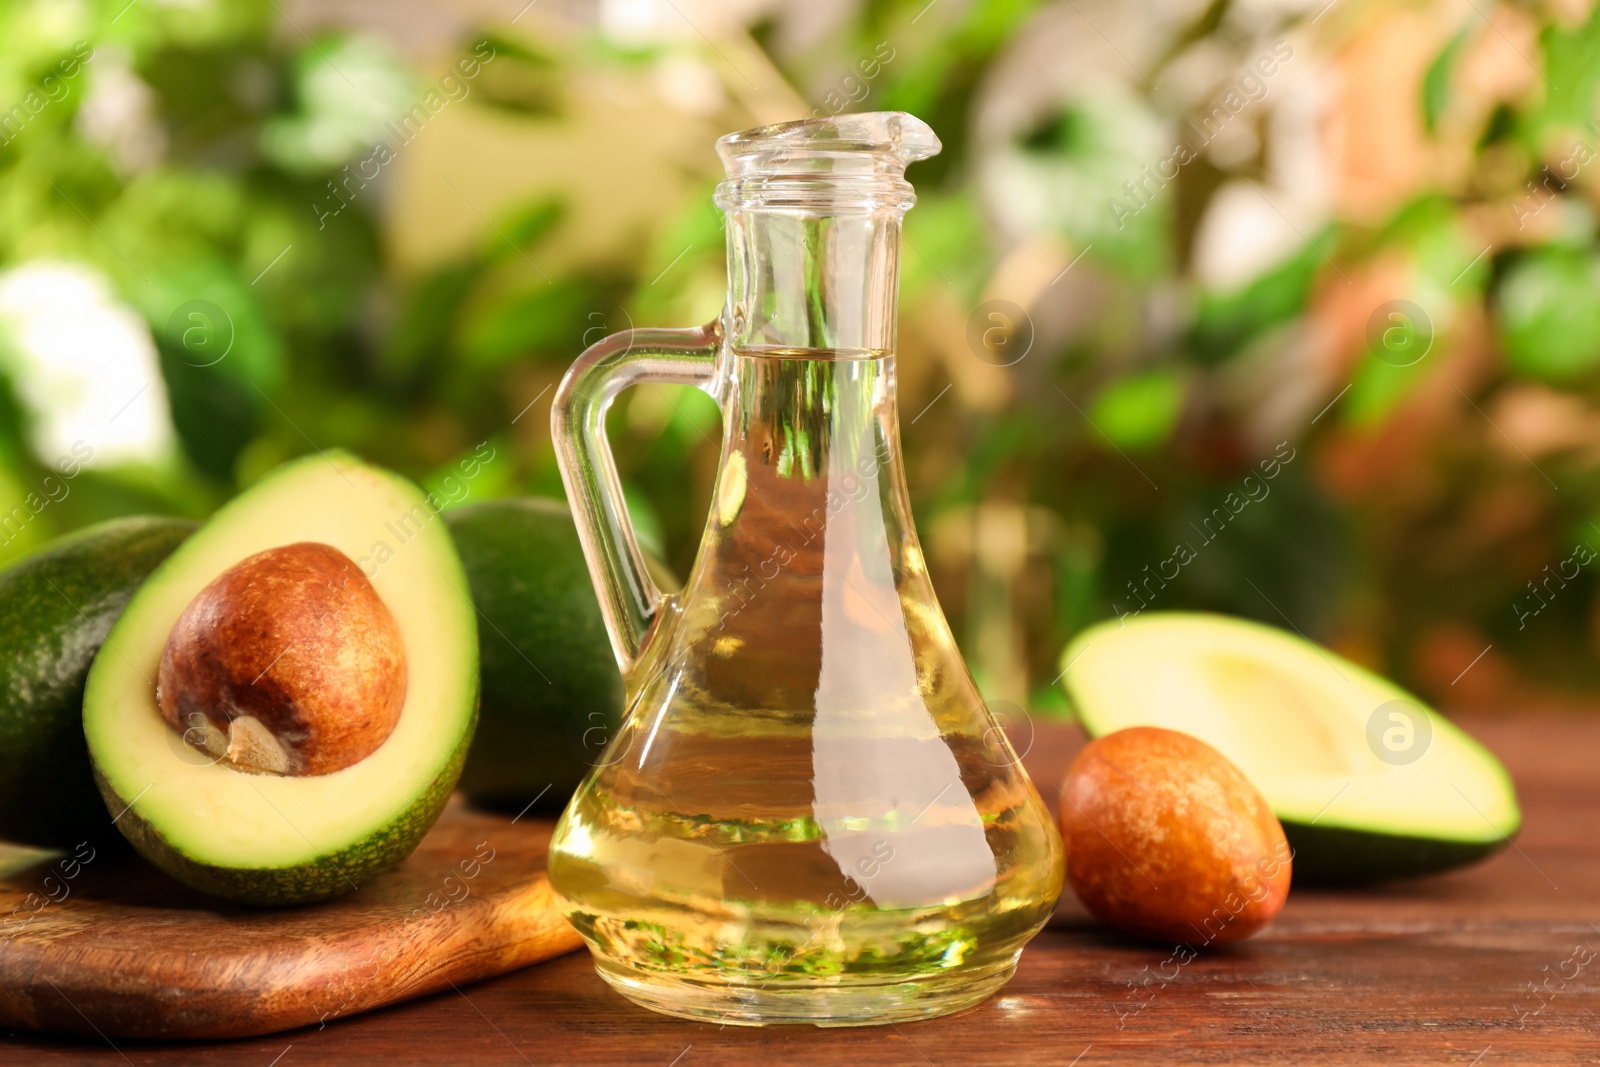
x,y
1434,971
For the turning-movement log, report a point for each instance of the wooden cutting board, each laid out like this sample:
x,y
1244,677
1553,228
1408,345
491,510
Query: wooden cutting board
x,y
99,943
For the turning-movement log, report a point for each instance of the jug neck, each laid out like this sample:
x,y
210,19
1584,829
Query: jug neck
x,y
813,224
816,283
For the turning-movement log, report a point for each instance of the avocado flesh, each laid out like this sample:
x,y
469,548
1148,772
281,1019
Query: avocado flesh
x,y
56,607
552,693
264,838
1295,719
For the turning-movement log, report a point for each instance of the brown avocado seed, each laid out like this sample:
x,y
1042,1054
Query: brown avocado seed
x,y
288,663
1168,840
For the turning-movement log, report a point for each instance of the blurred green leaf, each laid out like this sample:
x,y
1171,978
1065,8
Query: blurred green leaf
x,y
427,320
516,76
353,93
525,228
1549,314
21,528
1225,323
946,246
1430,231
1571,77
646,523
1436,82
1377,389
548,320
1139,413
1091,174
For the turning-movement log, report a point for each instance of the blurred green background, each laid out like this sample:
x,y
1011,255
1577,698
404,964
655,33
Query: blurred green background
x,y
1285,310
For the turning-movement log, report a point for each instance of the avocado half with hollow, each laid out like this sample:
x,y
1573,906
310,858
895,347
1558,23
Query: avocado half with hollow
x,y
1368,783
284,706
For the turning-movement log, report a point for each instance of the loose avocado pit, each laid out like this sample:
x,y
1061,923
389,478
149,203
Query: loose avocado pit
x,y
288,663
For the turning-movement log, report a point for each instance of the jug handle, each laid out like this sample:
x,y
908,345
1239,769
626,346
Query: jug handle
x,y
630,601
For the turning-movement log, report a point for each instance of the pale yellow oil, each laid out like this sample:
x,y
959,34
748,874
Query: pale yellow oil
x,y
808,814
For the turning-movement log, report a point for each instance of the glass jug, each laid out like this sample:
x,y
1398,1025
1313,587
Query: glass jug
x,y
808,814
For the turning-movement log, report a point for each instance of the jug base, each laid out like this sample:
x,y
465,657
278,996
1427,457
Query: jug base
x,y
818,1002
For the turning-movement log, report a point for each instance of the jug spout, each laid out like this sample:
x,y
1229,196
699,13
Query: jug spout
x,y
878,144
814,210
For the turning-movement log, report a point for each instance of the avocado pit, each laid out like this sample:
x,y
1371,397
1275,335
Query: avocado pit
x,y
288,663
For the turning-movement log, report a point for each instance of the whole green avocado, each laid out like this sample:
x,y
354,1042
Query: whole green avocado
x,y
552,693
56,607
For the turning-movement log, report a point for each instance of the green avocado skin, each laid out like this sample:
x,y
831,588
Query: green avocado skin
x,y
1335,856
56,606
552,692
329,876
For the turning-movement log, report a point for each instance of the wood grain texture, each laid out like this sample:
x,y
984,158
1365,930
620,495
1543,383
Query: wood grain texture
x,y
1432,971
107,946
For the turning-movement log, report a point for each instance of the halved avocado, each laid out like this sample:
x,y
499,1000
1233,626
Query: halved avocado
x,y
1368,782
280,838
